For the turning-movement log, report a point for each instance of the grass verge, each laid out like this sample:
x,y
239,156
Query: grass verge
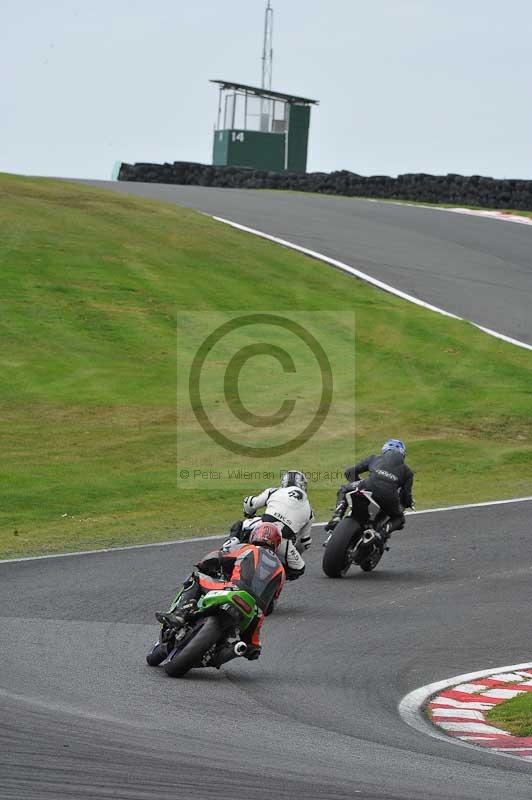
x,y
514,716
92,286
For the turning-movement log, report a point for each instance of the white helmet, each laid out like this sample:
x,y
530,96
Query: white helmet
x,y
293,477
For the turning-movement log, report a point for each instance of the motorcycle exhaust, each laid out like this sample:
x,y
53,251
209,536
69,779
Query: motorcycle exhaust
x,y
240,648
368,536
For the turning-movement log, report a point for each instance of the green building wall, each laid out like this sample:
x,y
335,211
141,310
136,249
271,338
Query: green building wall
x,y
298,125
249,149
266,151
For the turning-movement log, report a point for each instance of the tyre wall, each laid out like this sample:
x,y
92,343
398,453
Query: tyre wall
x,y
474,190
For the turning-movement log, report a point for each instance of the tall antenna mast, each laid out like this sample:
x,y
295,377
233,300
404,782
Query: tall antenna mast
x,y
267,48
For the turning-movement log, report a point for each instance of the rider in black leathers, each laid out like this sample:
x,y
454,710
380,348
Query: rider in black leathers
x,y
390,482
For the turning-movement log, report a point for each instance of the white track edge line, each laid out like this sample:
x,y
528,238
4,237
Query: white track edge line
x,y
470,505
358,274
410,707
110,549
369,279
218,536
488,213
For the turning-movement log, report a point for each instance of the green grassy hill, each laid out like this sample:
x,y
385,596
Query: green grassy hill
x,y
100,302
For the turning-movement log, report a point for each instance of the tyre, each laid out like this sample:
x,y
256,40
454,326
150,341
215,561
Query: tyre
x,y
336,558
206,633
157,654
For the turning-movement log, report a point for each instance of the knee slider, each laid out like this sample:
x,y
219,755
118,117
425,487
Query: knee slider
x,y
236,529
293,574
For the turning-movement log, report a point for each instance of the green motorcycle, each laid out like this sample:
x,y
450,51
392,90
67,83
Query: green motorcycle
x,y
211,635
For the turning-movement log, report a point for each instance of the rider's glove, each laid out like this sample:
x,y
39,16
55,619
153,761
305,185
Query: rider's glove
x,y
252,653
305,541
230,544
247,507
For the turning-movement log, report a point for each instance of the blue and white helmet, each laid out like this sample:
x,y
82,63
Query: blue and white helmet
x,y
394,444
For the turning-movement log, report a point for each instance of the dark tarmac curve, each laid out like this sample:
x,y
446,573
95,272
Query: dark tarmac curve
x,y
83,717
316,717
477,268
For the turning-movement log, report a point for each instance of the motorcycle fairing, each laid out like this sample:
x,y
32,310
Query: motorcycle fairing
x,y
220,597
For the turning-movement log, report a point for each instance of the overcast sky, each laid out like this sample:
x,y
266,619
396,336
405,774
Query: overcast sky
x,y
404,85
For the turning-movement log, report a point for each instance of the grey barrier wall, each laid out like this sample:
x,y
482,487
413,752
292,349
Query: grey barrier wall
x,y
474,190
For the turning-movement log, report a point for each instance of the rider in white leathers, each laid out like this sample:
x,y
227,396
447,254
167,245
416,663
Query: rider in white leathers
x,y
288,506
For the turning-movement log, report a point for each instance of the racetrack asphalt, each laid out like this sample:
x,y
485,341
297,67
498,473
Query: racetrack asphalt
x,y
475,267
315,717
83,716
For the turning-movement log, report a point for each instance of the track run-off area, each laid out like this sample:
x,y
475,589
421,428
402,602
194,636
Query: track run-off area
x,y
318,715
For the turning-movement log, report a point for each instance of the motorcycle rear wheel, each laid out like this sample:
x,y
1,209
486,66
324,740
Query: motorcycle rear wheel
x,y
336,558
206,633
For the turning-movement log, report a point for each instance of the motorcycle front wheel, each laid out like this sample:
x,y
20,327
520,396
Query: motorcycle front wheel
x,y
337,555
157,654
204,635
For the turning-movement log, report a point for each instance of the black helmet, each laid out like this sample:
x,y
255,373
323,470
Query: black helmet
x,y
293,477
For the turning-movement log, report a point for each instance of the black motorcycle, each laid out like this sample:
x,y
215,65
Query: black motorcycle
x,y
353,540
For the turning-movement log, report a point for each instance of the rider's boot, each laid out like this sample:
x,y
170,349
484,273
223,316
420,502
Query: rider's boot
x,y
339,512
171,619
383,534
176,619
386,531
380,541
